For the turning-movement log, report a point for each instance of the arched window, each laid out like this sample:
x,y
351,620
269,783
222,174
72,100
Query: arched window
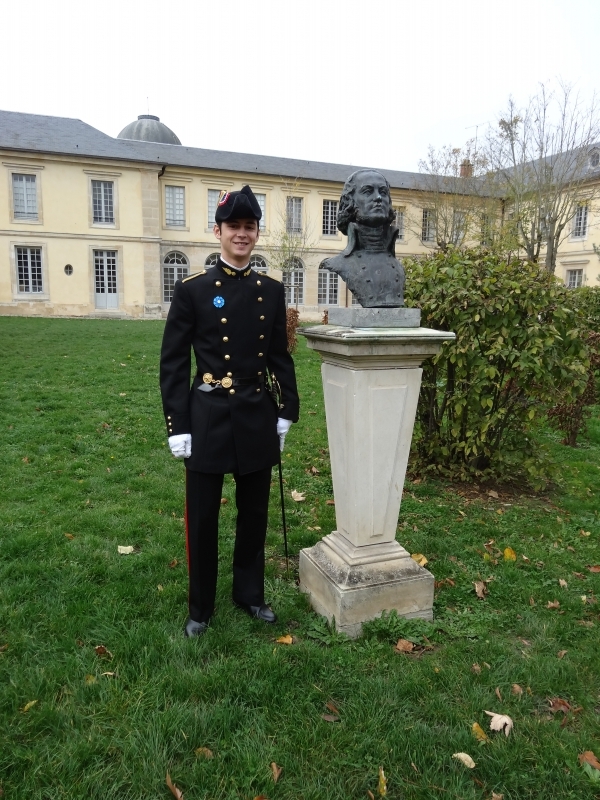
x,y
175,268
594,159
258,263
211,261
293,280
327,287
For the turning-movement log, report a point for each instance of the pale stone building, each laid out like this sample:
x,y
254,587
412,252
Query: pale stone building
x,y
92,225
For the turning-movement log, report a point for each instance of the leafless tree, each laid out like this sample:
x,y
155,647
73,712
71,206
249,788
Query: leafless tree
x,y
542,161
290,238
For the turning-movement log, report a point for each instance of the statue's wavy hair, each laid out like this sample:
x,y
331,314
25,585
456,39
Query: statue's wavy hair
x,y
347,206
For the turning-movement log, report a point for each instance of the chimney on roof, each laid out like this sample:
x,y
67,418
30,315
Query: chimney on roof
x,y
466,169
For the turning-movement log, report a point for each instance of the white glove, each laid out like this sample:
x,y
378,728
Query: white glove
x,y
283,426
181,445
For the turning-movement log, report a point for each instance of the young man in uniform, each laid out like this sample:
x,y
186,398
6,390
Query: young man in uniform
x,y
234,320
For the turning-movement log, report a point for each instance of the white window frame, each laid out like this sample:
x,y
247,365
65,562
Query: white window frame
x,y
174,217
102,178
31,171
28,297
400,221
574,278
294,213
211,260
328,288
293,282
259,263
212,197
179,265
428,226
25,188
579,226
261,199
329,218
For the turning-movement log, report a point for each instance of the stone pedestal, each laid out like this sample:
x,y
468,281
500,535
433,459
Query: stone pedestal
x,y
371,382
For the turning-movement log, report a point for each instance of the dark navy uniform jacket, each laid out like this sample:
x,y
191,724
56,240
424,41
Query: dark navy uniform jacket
x,y
235,322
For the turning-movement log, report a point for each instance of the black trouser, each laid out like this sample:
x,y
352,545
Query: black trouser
x,y
203,501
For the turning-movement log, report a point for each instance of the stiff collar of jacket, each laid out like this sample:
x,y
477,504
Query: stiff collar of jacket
x,y
233,273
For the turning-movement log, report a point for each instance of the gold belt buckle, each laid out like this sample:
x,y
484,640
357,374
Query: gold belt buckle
x,y
226,383
207,377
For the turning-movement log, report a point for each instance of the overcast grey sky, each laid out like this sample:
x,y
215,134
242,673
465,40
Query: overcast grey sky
x,y
369,82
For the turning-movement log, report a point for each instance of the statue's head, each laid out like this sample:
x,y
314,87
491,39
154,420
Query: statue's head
x,y
365,199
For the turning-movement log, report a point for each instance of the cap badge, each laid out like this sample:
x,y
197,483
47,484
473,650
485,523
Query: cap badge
x,y
218,302
223,197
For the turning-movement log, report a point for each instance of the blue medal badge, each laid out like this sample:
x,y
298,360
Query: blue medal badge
x,y
218,302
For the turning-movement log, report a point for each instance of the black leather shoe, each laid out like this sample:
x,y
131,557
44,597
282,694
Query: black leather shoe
x,y
193,628
262,612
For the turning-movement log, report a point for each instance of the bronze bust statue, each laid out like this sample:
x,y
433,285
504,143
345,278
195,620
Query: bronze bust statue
x,y
368,265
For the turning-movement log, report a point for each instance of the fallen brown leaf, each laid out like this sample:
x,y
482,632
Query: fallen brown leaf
x,y
315,471
382,783
173,564
404,646
414,766
261,797
101,650
595,568
370,795
581,532
493,494
224,501
465,759
287,639
562,583
419,558
109,674
497,796
562,653
174,790
500,722
329,502
476,669
28,706
332,707
531,601
509,554
479,733
298,496
125,550
330,717
3,647
480,589
204,751
553,604
516,689
588,757
497,693
557,704
69,536
276,771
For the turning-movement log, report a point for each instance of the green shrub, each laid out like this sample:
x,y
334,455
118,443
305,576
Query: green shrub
x,y
517,347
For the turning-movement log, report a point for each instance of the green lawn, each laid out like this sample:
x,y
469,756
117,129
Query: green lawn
x,y
85,468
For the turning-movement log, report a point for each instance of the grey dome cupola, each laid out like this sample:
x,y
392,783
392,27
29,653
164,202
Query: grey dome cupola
x,y
148,128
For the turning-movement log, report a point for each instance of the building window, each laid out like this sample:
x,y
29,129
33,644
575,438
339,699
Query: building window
x,y
105,278
459,227
580,222
211,261
327,288
294,215
175,205
175,268
262,202
574,278
293,281
399,222
29,269
213,199
355,301
258,263
103,202
427,226
25,197
330,212
595,159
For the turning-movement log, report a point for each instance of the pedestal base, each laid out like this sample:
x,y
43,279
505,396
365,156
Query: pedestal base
x,y
356,584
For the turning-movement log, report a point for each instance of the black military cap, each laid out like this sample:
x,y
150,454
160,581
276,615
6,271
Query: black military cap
x,y
238,205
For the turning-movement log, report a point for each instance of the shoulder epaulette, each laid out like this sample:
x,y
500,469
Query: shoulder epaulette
x,y
270,276
195,275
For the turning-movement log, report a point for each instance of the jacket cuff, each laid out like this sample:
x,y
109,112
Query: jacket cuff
x,y
177,424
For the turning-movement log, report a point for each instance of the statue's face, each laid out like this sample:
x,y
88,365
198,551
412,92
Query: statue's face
x,y
372,199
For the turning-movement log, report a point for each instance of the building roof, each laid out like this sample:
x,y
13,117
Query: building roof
x,y
65,136
148,128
